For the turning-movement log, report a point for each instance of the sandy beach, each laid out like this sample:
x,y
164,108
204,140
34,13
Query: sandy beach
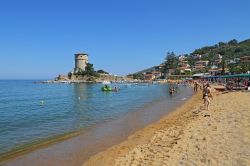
x,y
189,136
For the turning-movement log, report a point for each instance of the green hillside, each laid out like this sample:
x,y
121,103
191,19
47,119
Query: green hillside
x,y
229,50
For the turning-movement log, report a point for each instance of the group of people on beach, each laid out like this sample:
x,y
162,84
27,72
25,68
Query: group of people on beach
x,y
201,85
234,83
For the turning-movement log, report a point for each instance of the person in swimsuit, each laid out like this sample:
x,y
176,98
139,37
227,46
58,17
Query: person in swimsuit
x,y
170,91
206,95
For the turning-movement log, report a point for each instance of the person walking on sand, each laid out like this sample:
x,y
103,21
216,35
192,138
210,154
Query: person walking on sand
x,y
206,95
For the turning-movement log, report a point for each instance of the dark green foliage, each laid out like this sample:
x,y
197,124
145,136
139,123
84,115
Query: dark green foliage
x,y
187,73
190,60
233,42
102,72
229,50
171,61
138,76
69,74
234,69
89,71
245,67
177,72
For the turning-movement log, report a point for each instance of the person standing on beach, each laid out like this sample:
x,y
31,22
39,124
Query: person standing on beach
x,y
195,86
206,95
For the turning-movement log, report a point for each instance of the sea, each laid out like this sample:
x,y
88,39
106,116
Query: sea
x,y
32,112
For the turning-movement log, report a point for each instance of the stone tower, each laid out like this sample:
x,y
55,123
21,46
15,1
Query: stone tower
x,y
81,60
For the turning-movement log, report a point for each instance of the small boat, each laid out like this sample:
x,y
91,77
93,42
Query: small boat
x,y
220,88
106,88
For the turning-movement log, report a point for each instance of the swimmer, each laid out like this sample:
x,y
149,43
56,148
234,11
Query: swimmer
x,y
41,102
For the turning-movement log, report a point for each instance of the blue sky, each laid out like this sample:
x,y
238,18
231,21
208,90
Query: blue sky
x,y
38,38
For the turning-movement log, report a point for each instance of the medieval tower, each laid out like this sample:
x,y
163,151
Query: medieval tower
x,y
81,60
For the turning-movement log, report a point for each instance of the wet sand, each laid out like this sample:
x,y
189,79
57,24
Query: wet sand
x,y
189,136
75,151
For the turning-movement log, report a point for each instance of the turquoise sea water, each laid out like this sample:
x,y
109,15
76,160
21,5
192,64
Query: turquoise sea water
x,y
31,112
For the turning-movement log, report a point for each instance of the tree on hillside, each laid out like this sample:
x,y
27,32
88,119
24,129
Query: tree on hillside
x,y
102,72
171,60
200,51
235,68
230,50
233,42
244,67
89,70
222,44
223,65
237,50
138,76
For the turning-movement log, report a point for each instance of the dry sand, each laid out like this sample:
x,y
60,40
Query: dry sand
x,y
189,136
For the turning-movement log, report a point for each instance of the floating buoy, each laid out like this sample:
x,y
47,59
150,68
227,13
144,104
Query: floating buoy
x,y
41,102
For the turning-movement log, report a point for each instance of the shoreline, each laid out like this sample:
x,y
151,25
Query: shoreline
x,y
99,82
189,136
28,148
141,136
46,150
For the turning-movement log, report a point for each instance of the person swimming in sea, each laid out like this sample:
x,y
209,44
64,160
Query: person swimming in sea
x,y
116,89
171,90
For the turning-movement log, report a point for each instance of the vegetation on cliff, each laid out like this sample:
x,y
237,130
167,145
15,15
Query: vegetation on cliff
x,y
230,51
88,72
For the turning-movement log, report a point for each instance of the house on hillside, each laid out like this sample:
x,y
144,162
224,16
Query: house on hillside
x,y
157,74
200,65
161,67
196,56
218,59
184,67
149,76
171,71
232,61
182,58
215,71
245,59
